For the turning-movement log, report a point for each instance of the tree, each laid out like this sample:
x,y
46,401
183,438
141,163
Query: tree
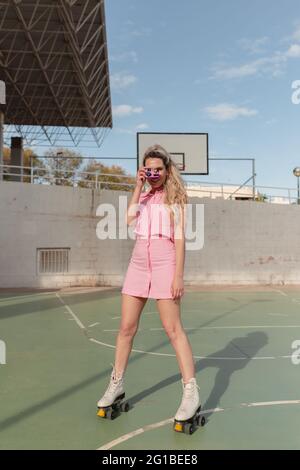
x,y
261,197
61,165
118,183
30,159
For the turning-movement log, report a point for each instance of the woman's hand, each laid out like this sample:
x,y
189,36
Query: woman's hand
x,y
140,177
177,287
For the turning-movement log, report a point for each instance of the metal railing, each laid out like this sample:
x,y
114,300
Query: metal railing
x,y
98,180
271,194
77,178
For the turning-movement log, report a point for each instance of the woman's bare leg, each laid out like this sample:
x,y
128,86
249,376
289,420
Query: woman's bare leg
x,y
169,311
132,308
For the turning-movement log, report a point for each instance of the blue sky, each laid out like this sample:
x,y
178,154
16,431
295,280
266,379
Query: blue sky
x,y
222,67
216,66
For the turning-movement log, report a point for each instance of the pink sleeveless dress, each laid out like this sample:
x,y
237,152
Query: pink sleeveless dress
x,y
152,265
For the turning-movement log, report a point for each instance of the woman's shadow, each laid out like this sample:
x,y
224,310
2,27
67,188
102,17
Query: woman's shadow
x,y
235,356
247,346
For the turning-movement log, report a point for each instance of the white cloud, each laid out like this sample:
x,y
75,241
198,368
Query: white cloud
x,y
296,34
121,130
198,81
142,126
271,65
120,81
237,72
126,110
294,37
144,31
271,121
124,57
294,51
228,112
254,46
147,101
139,127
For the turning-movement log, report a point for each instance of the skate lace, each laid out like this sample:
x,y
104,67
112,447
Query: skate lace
x,y
114,383
188,391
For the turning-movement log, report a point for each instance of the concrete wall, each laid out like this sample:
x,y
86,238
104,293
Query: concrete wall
x,y
244,242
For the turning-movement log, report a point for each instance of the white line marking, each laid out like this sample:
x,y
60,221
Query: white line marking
x,y
24,297
134,433
271,403
278,314
162,423
280,292
144,313
149,427
233,327
211,358
93,324
79,323
215,328
102,344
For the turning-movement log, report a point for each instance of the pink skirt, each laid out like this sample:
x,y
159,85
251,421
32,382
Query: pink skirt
x,y
151,269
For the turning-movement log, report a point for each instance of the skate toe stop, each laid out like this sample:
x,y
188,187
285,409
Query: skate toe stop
x,y
178,427
101,413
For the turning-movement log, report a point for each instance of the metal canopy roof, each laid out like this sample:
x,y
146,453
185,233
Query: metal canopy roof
x,y
53,58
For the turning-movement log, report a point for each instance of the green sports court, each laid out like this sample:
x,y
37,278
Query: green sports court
x,y
60,345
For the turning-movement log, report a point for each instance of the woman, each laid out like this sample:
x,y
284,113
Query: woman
x,y
156,271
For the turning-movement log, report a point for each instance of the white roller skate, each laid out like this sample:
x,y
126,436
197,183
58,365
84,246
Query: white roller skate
x,y
113,400
188,414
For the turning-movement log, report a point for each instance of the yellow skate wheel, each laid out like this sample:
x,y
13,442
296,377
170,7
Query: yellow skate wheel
x,y
101,413
178,427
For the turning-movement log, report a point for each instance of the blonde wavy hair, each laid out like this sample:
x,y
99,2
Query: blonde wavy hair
x,y
175,192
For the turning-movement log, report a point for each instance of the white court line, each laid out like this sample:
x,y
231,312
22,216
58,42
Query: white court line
x,y
162,423
271,403
212,358
280,292
79,323
216,327
144,313
102,344
25,296
149,427
278,314
93,324
231,327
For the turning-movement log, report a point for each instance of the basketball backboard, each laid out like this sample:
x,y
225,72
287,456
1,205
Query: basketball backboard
x,y
189,151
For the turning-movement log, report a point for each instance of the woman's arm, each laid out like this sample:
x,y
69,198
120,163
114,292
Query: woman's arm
x,y
180,257
179,241
131,213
